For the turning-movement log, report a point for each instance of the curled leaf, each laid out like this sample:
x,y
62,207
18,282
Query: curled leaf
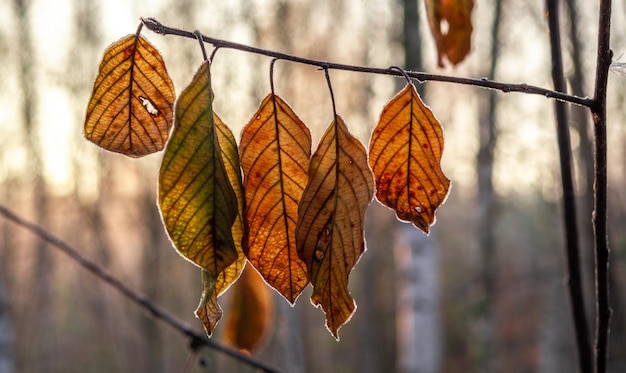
x,y
455,42
275,150
196,199
330,229
405,155
208,311
131,106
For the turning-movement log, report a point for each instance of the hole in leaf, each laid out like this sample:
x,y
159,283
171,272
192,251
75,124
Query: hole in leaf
x,y
149,106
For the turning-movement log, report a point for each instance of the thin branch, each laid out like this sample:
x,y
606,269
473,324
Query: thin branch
x,y
572,249
159,28
601,244
197,339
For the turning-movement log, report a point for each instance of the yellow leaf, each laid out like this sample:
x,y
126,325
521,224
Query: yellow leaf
x,y
131,106
196,200
455,42
275,150
250,317
405,155
330,228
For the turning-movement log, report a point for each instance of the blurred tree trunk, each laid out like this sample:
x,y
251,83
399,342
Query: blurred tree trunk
x,y
8,353
556,344
7,337
150,274
557,347
417,322
580,121
418,332
41,275
487,205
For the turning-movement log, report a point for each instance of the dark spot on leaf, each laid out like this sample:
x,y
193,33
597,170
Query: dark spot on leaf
x,y
128,52
319,255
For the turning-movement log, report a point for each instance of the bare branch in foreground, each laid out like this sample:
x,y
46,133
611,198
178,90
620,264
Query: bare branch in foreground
x,y
197,339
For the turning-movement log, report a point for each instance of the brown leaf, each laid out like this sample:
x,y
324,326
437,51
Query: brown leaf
x,y
275,150
405,155
208,311
330,229
131,106
250,317
455,43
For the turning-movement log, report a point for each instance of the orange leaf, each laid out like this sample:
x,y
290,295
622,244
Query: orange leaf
x,y
455,43
131,106
330,229
405,155
250,317
275,150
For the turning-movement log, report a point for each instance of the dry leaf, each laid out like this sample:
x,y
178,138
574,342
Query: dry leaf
x,y
208,311
196,200
275,150
250,317
330,228
131,106
405,155
455,42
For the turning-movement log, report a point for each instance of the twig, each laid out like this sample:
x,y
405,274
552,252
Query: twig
x,y
601,244
572,249
197,339
159,28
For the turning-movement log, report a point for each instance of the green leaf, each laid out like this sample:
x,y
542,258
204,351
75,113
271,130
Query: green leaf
x,y
197,202
230,157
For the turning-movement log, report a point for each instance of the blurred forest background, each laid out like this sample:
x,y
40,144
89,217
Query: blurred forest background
x,y
484,292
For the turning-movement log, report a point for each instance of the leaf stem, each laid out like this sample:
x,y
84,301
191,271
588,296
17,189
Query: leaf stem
x,y
330,89
196,339
572,247
198,36
272,79
159,28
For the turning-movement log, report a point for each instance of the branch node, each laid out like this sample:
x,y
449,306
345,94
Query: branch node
x,y
152,25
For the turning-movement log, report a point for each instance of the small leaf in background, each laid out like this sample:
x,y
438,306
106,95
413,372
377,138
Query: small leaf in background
x,y
251,315
275,149
405,155
196,200
208,311
330,229
131,106
455,43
